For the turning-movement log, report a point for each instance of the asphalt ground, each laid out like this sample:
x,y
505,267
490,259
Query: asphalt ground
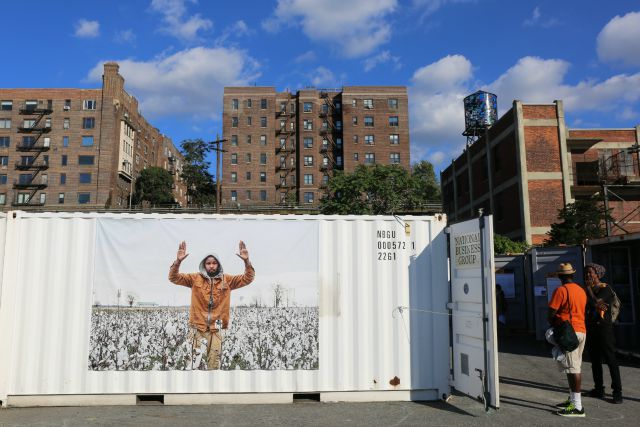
x,y
530,385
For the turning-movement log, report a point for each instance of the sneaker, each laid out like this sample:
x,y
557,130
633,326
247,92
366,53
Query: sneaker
x,y
598,393
564,404
571,411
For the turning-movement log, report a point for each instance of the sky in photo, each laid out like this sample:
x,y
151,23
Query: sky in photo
x,y
177,55
283,252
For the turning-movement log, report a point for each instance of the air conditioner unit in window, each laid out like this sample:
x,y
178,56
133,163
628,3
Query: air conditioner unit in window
x,y
67,108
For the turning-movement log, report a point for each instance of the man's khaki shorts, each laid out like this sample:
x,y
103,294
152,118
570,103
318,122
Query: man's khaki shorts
x,y
573,361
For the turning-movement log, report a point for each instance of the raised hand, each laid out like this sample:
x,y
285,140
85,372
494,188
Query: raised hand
x,y
243,252
182,252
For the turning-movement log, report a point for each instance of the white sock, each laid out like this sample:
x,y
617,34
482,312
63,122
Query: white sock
x,y
576,399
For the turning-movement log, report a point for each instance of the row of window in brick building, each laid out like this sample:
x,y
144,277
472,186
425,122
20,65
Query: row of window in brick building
x,y
369,158
87,123
28,178
308,178
394,139
23,198
307,124
308,196
307,107
32,104
29,141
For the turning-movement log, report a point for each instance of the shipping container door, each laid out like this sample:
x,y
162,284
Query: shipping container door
x,y
474,333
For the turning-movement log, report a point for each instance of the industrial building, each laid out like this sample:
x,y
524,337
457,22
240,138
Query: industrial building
x,y
78,148
283,147
527,165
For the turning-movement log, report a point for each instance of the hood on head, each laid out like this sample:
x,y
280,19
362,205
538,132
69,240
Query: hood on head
x,y
203,270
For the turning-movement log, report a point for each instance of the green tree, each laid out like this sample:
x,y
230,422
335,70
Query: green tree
x,y
584,219
503,245
154,186
370,190
426,186
195,173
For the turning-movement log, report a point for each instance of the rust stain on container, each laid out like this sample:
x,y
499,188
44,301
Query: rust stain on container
x,y
395,381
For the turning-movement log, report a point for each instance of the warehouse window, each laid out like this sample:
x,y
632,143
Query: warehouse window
x,y
84,198
87,141
85,178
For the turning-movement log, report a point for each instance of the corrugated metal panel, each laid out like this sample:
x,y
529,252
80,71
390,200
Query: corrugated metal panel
x,y
544,262
364,341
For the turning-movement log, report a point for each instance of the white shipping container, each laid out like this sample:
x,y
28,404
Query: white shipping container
x,y
382,297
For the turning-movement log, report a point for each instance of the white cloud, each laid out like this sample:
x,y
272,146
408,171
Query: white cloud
x,y
188,83
125,36
308,56
176,23
87,29
537,20
323,77
381,58
437,91
357,27
237,29
619,40
431,6
436,112
535,79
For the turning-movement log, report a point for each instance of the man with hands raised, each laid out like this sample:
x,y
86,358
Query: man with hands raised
x,y
210,300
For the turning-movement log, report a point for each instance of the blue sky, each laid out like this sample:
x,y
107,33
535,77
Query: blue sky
x,y
177,55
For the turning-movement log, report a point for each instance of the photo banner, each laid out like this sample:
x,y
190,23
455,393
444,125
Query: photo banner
x,y
220,312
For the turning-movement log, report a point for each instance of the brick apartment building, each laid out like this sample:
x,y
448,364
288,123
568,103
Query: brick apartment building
x,y
78,148
283,147
531,165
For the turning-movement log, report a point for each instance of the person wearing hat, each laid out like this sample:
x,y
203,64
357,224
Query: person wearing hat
x,y
600,338
569,303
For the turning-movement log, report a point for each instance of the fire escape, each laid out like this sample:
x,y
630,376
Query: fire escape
x,y
620,180
286,150
330,132
34,127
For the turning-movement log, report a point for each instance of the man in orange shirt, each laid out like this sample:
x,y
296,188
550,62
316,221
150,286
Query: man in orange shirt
x,y
569,302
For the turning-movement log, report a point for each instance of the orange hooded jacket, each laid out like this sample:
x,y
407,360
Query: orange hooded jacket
x,y
203,291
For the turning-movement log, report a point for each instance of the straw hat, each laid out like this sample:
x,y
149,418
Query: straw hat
x,y
565,268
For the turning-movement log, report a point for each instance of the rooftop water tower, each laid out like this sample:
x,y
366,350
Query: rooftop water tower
x,y
480,113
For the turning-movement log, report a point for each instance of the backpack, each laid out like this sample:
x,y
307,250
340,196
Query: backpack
x,y
616,305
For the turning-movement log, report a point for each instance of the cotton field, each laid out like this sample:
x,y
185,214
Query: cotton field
x,y
157,339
